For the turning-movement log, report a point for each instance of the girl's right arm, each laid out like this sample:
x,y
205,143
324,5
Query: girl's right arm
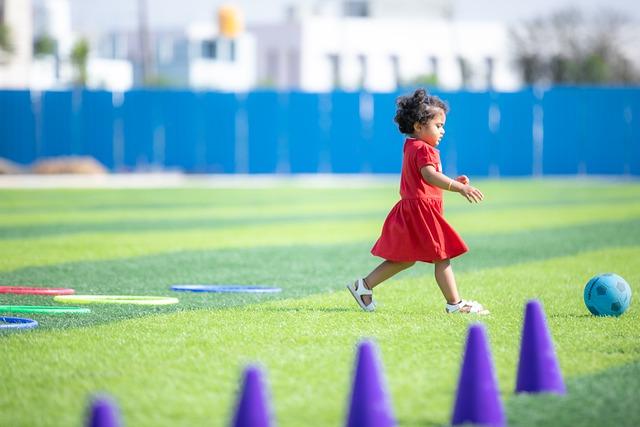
x,y
440,180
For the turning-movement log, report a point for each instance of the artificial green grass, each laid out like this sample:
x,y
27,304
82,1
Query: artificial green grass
x,y
182,364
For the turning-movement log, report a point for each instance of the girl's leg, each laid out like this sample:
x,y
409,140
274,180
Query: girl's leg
x,y
381,273
446,280
447,283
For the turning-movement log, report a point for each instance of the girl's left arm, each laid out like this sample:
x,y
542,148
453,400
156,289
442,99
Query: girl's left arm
x,y
440,180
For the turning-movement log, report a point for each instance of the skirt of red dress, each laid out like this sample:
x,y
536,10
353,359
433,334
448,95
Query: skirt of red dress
x,y
415,230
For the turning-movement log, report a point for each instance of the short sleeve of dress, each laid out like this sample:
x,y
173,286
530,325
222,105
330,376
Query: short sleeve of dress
x,y
426,156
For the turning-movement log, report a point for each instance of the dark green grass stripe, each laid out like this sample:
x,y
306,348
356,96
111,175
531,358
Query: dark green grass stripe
x,y
300,270
607,398
503,249
172,224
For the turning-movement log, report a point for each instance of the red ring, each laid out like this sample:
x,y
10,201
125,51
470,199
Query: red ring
x,y
35,291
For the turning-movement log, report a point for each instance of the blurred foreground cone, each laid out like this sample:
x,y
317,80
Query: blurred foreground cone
x,y
103,413
253,409
478,399
370,404
538,370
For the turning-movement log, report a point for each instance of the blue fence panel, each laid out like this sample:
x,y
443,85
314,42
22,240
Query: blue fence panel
x,y
468,144
515,137
181,130
96,127
345,135
218,115
565,131
57,135
605,131
17,127
264,123
139,116
632,135
387,141
304,132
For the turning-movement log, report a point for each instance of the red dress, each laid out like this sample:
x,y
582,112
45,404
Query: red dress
x,y
415,229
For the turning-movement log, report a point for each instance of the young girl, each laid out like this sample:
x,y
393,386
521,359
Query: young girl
x,y
415,229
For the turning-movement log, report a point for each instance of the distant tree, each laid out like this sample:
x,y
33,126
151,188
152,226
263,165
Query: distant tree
x,y
567,48
6,44
430,80
44,45
79,58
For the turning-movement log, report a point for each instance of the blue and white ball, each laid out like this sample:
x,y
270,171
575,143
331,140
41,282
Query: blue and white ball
x,y
607,295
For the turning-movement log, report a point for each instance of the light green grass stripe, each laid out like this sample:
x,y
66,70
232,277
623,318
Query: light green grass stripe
x,y
215,209
20,253
185,367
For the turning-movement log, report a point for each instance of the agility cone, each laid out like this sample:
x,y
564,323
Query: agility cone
x,y
370,404
538,370
252,409
103,413
478,399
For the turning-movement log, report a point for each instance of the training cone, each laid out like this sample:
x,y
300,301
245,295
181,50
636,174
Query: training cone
x,y
538,370
103,413
253,409
370,404
478,399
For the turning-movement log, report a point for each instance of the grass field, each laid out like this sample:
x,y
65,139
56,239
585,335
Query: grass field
x,y
182,364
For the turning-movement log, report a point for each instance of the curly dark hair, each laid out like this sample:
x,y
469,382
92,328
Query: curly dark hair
x,y
417,107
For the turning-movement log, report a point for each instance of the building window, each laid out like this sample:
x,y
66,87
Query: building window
x,y
209,49
362,60
395,69
272,67
434,66
221,49
465,72
490,71
356,8
165,50
294,69
334,63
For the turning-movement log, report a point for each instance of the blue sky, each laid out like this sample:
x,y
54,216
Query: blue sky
x,y
118,14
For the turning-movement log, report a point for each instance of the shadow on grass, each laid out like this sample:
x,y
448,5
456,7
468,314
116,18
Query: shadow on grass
x,y
570,316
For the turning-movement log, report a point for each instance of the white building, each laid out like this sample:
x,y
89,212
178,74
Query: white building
x,y
15,16
197,57
22,68
378,45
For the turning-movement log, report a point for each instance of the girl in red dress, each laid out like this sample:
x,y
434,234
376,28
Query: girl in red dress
x,y
415,229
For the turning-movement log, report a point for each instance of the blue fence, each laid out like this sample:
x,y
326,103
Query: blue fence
x,y
563,130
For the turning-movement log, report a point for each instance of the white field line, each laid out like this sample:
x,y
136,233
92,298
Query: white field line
x,y
178,180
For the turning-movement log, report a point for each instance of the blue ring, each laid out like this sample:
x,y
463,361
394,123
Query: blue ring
x,y
226,288
16,323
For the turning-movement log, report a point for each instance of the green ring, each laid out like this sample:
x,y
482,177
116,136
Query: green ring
x,y
43,309
115,299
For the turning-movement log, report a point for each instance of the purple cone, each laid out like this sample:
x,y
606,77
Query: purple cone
x,y
370,404
538,370
478,399
253,408
103,413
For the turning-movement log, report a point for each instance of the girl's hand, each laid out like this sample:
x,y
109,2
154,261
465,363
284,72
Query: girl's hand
x,y
463,179
472,194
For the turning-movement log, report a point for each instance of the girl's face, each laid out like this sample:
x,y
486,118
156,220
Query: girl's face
x,y
432,132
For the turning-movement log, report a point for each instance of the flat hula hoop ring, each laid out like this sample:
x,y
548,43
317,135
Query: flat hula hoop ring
x,y
35,291
49,309
116,299
16,323
226,288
